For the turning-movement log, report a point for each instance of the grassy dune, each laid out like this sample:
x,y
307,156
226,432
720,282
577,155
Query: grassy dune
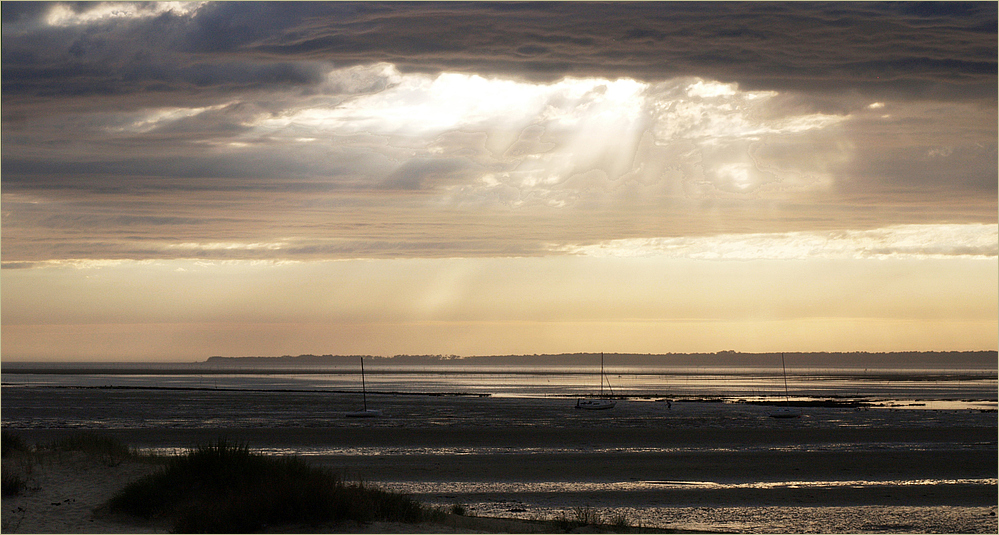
x,y
224,487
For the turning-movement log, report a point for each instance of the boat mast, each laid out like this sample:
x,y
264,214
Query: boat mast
x,y
364,389
787,398
601,374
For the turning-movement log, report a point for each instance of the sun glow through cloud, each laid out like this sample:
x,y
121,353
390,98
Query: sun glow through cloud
x,y
63,15
547,142
894,242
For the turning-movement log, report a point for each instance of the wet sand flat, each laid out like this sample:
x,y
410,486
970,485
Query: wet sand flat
x,y
695,466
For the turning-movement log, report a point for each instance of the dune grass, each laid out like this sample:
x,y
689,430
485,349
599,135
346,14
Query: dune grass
x,y
108,450
589,517
11,483
223,487
11,443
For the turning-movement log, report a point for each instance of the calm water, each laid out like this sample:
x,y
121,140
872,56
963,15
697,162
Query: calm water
x,y
887,385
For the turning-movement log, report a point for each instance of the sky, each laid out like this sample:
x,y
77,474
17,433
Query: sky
x,y
187,179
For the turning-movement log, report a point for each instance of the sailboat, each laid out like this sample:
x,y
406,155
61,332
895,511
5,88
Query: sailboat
x,y
786,411
599,403
365,412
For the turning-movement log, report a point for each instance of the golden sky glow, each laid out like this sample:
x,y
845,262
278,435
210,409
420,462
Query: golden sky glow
x,y
505,305
262,190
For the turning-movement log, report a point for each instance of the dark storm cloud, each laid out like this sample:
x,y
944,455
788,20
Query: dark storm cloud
x,y
899,48
21,12
937,49
168,57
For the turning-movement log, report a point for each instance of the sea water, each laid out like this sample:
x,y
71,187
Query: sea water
x,y
899,386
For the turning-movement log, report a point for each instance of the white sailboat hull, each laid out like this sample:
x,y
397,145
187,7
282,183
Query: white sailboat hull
x,y
599,403
595,404
785,413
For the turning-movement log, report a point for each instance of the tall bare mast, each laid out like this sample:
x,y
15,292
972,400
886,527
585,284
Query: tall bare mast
x,y
364,389
787,398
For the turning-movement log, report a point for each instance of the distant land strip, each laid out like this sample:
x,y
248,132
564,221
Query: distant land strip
x,y
988,359
877,364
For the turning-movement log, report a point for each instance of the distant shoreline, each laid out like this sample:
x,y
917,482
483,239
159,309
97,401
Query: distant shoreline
x,y
977,360
984,358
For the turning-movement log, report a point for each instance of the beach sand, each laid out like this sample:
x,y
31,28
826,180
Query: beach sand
x,y
699,466
64,489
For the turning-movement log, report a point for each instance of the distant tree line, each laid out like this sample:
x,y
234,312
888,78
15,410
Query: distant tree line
x,y
857,359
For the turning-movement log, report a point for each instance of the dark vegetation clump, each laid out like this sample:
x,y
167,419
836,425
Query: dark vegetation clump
x,y
11,443
109,450
12,483
223,487
588,517
15,474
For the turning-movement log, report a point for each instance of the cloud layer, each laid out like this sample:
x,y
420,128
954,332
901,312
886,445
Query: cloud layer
x,y
898,242
343,130
900,48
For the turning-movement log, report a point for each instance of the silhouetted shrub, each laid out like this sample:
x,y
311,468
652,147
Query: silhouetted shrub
x,y
225,488
92,443
13,484
109,450
11,442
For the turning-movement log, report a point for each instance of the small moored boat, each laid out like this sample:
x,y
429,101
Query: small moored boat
x,y
599,403
787,411
595,404
365,412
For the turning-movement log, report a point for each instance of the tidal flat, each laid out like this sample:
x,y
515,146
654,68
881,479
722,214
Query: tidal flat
x,y
690,465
